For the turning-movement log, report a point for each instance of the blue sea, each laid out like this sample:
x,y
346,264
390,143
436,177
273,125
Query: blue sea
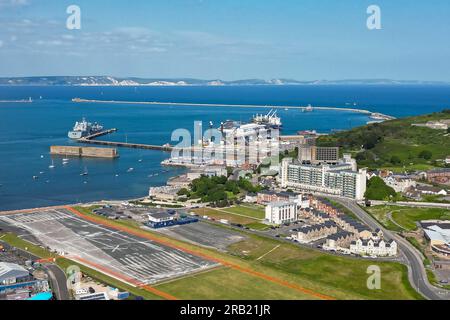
x,y
28,129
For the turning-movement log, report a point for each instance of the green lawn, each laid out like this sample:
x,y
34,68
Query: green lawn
x,y
229,284
233,218
251,212
407,217
258,226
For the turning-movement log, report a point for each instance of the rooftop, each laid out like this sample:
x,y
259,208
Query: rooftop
x,y
11,270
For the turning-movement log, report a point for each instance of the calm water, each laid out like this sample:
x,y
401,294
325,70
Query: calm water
x,y
27,130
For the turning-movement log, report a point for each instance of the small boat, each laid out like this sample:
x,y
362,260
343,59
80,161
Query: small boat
x,y
85,172
42,172
130,170
140,160
35,177
65,160
42,156
117,175
52,166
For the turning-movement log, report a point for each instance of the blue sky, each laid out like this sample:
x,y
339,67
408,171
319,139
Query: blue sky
x,y
227,39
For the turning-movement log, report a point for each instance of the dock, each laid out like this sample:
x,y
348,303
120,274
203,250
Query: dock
x,y
91,139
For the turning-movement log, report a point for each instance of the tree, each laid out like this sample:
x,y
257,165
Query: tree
x,y
183,192
425,154
378,190
395,160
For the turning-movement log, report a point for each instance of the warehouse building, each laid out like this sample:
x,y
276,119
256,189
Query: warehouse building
x,y
11,273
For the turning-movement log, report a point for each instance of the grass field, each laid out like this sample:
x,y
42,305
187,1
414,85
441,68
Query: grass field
x,y
216,214
228,284
406,217
239,215
246,210
326,269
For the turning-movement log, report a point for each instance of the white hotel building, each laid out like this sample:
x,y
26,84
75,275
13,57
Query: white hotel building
x,y
281,212
341,179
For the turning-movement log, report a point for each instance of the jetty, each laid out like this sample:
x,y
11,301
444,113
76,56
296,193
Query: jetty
x,y
91,139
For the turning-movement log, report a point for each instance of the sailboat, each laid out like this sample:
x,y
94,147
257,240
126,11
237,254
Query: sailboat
x,y
52,165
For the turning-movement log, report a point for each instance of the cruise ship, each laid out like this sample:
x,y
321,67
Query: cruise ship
x,y
83,129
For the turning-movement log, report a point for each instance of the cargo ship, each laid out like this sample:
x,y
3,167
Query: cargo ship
x,y
83,129
270,119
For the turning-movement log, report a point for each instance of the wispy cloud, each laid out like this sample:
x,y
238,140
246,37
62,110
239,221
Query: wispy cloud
x,y
13,3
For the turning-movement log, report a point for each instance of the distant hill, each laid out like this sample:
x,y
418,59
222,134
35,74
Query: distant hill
x,y
133,81
396,144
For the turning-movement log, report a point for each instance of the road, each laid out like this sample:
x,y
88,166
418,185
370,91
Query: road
x,y
58,280
412,204
412,257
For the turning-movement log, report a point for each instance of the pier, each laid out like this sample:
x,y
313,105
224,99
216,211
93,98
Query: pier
x,y
91,140
126,144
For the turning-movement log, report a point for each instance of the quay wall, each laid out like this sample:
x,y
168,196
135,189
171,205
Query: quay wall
x,y
84,151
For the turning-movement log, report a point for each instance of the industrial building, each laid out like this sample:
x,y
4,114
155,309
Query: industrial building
x,y
438,234
11,274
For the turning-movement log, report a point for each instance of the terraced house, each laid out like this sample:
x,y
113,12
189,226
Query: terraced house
x,y
315,232
374,248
